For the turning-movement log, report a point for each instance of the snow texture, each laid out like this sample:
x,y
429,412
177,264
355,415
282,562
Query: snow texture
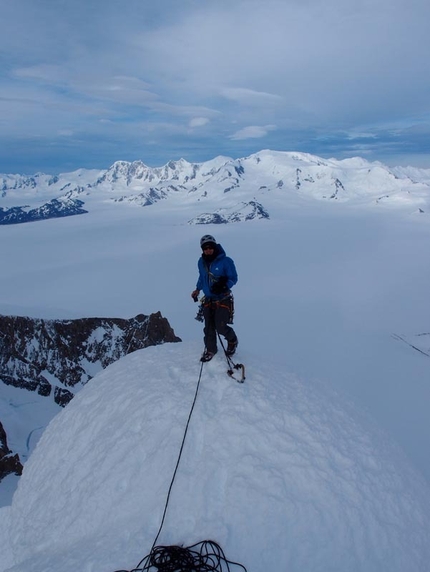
x,y
282,473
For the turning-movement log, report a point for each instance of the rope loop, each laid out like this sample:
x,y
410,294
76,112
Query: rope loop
x,y
205,556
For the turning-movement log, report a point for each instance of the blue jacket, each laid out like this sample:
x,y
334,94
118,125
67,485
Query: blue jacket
x,y
221,266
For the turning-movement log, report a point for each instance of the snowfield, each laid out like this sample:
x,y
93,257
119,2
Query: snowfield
x,y
283,474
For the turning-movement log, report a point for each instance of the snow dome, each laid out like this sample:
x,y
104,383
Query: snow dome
x,y
283,474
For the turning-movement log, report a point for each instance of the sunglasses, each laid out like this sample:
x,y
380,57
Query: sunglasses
x,y
207,248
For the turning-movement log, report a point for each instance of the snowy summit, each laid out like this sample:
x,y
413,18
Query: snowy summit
x,y
284,475
223,190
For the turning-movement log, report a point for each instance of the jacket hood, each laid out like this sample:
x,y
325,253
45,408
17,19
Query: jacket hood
x,y
219,252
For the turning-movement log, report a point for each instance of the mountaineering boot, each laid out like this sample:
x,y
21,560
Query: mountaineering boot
x,y
207,356
231,348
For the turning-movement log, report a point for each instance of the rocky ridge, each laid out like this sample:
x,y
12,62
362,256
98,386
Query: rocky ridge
x,y
10,463
55,358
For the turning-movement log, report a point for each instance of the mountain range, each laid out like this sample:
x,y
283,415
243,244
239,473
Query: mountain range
x,y
222,190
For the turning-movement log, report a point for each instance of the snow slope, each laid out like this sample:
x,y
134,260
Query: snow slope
x,y
282,473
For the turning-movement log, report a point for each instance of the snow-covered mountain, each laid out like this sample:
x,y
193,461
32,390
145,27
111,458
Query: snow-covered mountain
x,y
55,359
282,474
247,188
333,280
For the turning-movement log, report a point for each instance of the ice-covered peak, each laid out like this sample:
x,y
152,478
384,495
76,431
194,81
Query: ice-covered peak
x,y
295,177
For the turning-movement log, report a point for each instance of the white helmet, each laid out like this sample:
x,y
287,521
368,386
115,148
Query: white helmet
x,y
207,238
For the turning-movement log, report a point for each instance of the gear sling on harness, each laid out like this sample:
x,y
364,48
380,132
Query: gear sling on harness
x,y
227,302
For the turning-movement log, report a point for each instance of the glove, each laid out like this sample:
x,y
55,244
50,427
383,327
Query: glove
x,y
195,295
220,286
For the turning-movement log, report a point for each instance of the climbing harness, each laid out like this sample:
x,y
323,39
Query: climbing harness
x,y
205,556
226,302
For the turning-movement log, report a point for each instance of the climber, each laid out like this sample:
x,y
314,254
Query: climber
x,y
217,275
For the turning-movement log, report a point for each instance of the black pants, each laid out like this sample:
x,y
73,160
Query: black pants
x,y
217,315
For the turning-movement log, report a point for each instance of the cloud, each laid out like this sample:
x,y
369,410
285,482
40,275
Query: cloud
x,y
42,72
246,96
198,122
252,132
312,70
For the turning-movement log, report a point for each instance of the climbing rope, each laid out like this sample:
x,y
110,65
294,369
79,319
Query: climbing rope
x,y
240,378
179,457
205,556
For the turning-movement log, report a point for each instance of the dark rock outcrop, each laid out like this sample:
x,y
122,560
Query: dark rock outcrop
x,y
10,464
242,212
56,357
56,208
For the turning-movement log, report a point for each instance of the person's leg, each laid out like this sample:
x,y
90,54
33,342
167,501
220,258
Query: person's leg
x,y
222,318
209,329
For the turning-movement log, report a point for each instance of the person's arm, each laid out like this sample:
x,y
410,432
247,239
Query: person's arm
x,y
231,273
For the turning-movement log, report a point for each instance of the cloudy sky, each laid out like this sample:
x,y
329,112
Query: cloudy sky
x,y
84,83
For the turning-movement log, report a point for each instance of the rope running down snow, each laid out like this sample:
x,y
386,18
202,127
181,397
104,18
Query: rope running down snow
x,y
205,556
179,457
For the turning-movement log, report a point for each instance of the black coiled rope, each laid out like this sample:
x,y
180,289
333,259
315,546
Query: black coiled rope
x,y
206,556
